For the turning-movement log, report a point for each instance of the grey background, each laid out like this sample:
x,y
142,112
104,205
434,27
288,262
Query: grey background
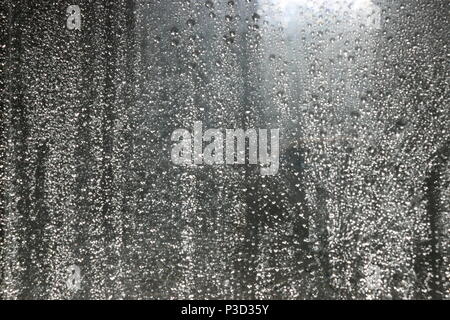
x,y
359,209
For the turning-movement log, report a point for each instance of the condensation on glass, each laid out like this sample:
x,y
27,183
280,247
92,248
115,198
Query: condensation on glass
x,y
91,206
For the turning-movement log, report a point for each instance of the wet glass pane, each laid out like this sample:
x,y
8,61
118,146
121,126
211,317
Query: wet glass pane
x,y
215,149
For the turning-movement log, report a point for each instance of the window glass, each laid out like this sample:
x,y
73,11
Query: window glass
x,y
241,149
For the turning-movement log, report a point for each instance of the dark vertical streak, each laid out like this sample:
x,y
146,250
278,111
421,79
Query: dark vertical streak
x,y
130,97
248,250
434,209
21,132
